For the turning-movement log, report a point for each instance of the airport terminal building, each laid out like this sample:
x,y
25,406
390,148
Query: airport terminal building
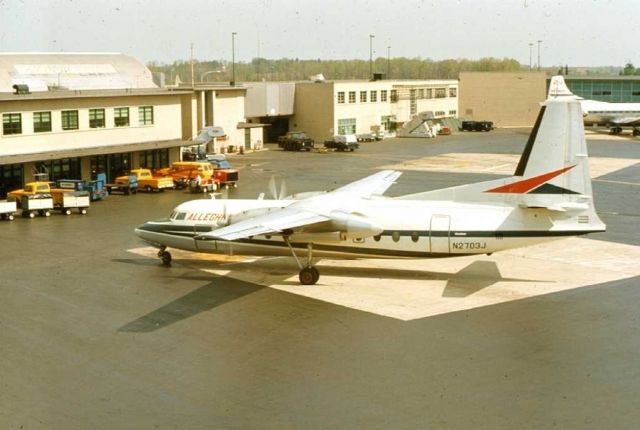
x,y
326,108
75,115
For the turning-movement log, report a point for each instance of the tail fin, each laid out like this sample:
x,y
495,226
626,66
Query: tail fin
x,y
558,89
555,158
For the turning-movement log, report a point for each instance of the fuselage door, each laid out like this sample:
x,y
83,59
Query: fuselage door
x,y
439,234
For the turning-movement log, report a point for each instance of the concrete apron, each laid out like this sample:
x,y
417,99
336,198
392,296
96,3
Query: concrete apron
x,y
412,289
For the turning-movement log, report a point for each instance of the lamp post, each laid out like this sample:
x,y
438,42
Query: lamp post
x,y
371,36
388,62
233,59
530,52
539,42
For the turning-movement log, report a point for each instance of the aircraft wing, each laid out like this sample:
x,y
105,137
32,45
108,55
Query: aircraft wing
x,y
274,222
374,185
627,120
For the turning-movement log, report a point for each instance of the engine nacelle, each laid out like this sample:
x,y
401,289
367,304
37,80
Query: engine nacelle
x,y
352,224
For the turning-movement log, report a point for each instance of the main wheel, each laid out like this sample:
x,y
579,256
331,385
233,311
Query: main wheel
x,y
309,276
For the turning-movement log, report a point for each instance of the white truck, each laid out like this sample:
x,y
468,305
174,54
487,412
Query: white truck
x,y
7,209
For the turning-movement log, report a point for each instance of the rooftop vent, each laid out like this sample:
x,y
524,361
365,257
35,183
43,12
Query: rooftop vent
x,y
317,78
21,89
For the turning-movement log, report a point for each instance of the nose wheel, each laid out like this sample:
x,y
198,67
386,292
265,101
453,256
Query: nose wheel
x,y
165,256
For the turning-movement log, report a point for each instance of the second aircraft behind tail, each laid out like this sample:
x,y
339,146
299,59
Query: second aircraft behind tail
x,y
548,197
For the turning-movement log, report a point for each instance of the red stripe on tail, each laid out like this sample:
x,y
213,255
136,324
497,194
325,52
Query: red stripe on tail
x,y
527,185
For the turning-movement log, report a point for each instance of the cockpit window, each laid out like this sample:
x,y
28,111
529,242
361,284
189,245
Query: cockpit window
x,y
180,216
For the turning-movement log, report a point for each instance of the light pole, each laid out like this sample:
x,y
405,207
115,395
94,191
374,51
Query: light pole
x,y
530,52
371,36
539,42
233,59
388,62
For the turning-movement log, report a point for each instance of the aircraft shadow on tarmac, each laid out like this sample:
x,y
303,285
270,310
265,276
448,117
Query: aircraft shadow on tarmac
x,y
223,289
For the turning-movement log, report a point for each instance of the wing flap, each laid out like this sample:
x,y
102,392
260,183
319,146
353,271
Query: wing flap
x,y
275,222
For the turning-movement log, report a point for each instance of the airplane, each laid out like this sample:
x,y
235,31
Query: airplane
x,y
614,115
549,197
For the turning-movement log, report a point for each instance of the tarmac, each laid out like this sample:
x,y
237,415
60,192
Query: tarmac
x,y
95,333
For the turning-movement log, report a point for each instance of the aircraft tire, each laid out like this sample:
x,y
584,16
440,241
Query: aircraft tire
x,y
166,258
308,276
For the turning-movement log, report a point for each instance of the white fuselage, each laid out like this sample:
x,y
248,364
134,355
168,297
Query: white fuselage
x,y
410,228
597,112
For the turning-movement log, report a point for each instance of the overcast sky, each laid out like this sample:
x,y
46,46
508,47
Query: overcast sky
x,y
577,32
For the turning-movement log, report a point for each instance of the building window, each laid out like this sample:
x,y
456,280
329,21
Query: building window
x,y
388,122
413,103
373,96
121,117
383,95
154,159
452,113
394,96
347,126
441,93
421,93
11,123
145,115
64,168
429,93
69,119
363,96
439,113
352,96
340,96
453,92
41,122
96,118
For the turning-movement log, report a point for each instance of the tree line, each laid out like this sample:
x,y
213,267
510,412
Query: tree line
x,y
292,69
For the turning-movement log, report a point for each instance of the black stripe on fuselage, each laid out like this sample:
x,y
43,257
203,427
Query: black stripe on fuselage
x,y
184,230
524,159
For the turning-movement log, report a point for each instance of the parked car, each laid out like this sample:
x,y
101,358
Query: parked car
x,y
477,126
343,142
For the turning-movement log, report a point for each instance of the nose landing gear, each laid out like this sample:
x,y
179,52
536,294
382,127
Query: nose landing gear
x,y
164,255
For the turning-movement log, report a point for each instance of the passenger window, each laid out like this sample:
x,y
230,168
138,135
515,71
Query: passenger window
x,y
395,236
414,236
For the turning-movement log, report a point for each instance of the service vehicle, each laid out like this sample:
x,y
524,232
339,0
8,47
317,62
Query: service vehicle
x,y
8,208
182,172
477,126
224,174
295,141
33,198
343,142
65,202
127,184
203,185
147,181
96,188
32,204
366,137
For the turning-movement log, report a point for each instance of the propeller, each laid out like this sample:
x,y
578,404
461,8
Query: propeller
x,y
273,189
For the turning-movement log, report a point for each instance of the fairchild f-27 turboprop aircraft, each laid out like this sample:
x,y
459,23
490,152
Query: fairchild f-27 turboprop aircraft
x,y
548,197
613,115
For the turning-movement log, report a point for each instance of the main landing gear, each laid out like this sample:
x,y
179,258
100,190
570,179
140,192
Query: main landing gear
x,y
164,255
308,275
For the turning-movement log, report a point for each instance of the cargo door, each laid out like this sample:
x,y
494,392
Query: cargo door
x,y
439,234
